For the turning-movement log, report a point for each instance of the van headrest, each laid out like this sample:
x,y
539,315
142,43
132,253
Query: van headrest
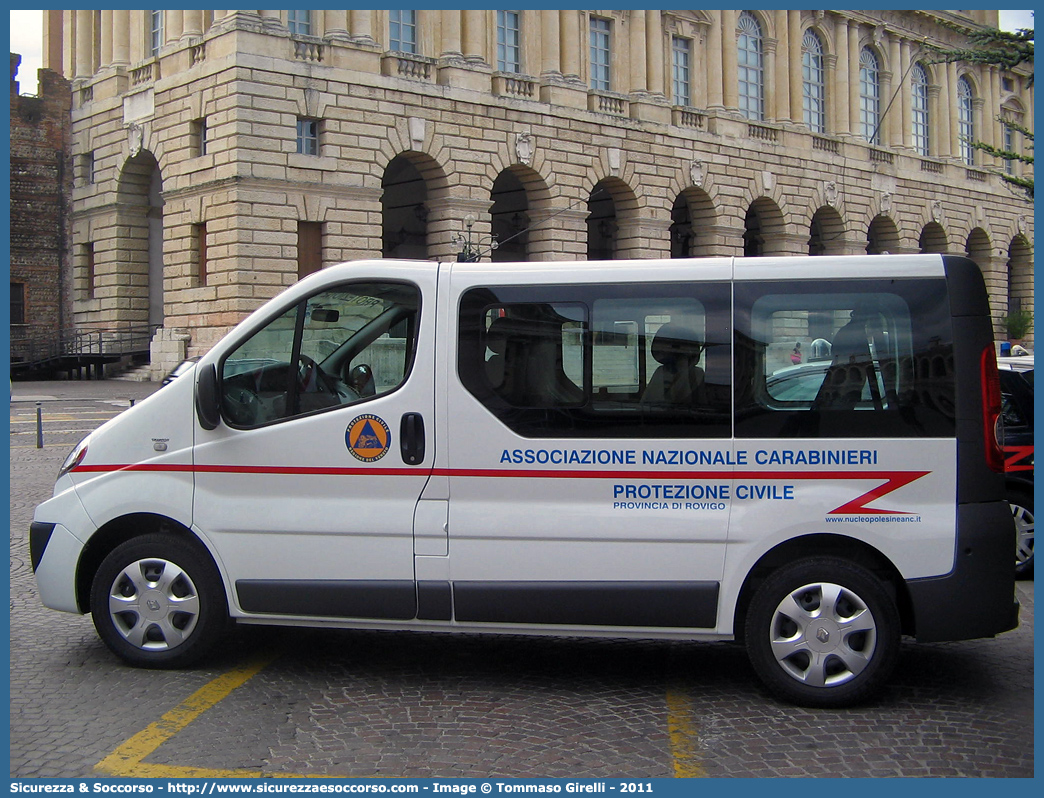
x,y
674,341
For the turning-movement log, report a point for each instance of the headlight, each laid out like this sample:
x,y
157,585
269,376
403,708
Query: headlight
x,y
75,457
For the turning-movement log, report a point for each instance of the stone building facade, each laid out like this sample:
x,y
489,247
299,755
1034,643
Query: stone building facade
x,y
41,182
220,155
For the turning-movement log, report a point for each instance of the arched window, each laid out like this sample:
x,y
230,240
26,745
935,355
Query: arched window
x,y
751,67
919,93
965,121
869,96
813,76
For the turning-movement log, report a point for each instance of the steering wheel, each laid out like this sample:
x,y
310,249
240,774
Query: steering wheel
x,y
312,379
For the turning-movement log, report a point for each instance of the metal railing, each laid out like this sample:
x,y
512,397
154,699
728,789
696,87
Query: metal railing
x,y
31,349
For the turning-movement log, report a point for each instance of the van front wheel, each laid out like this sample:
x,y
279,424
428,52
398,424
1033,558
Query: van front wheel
x,y
823,633
157,602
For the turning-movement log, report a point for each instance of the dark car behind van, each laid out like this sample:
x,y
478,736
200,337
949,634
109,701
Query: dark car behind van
x,y
1017,410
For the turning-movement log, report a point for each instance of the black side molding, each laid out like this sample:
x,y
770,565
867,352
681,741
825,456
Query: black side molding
x,y
650,604
330,598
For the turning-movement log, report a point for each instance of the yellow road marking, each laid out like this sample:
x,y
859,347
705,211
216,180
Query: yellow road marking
x,y
50,417
127,759
684,736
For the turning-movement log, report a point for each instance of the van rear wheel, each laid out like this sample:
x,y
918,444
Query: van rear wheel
x,y
158,602
1022,511
823,632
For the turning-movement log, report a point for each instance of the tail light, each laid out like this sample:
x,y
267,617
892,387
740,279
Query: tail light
x,y
991,410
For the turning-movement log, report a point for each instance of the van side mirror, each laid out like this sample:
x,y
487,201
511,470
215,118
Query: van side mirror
x,y
208,409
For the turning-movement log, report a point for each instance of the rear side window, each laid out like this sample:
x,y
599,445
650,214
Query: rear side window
x,y
600,361
846,359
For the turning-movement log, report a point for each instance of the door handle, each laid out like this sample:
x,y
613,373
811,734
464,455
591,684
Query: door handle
x,y
411,438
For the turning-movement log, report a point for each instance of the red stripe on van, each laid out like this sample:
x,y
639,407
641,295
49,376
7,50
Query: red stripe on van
x,y
899,477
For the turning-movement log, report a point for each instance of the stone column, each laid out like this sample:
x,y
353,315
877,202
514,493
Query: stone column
x,y
193,23
173,25
795,54
654,65
84,63
771,96
335,24
906,98
474,35
570,38
639,75
784,55
137,22
67,33
979,119
853,73
53,29
713,71
841,84
271,20
729,61
895,128
121,37
362,26
106,38
949,121
993,130
550,50
935,122
884,118
451,42
1027,101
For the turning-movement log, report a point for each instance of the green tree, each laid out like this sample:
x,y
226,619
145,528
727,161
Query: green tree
x,y
1007,50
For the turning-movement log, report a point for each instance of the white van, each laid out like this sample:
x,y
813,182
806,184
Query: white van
x,y
800,453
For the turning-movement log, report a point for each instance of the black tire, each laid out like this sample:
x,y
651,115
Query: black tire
x,y
823,632
157,602
1021,503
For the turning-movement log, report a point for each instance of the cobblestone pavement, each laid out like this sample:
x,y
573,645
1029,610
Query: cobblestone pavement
x,y
407,705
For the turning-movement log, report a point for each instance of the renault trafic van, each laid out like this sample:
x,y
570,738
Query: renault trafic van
x,y
627,449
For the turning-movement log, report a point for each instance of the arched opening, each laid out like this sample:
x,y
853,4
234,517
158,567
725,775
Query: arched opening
x,y
978,248
882,237
602,225
1020,275
404,210
933,238
691,218
510,219
137,285
826,233
610,210
763,229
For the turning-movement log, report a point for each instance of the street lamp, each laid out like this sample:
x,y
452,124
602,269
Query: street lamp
x,y
469,250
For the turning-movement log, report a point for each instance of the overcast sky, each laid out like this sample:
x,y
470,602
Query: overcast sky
x,y
27,40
